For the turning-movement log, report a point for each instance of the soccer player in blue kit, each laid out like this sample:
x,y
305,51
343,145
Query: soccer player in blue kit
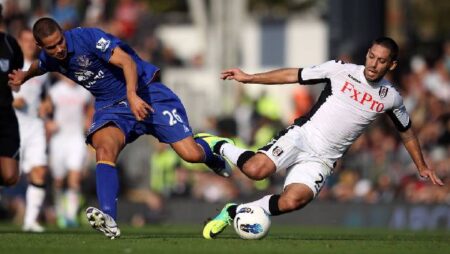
x,y
129,102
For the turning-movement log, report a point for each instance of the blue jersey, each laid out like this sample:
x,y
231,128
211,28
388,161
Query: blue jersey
x,y
87,64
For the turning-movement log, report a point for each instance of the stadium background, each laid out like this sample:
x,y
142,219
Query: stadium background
x,y
375,185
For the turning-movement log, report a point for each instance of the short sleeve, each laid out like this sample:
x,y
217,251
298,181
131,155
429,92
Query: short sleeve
x,y
399,115
101,44
319,73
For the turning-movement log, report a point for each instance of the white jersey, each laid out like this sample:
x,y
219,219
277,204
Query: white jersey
x,y
348,104
69,105
67,148
31,91
31,127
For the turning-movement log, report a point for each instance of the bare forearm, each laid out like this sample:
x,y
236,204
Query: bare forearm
x,y
280,76
412,145
33,71
130,73
122,60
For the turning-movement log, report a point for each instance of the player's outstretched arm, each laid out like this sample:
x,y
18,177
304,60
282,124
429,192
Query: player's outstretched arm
x,y
18,77
412,145
280,76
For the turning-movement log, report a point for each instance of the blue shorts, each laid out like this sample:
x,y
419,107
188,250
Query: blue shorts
x,y
169,123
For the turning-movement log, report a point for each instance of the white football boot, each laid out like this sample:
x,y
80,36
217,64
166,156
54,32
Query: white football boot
x,y
102,222
33,227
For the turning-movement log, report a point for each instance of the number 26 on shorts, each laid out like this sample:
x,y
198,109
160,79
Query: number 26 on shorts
x,y
174,118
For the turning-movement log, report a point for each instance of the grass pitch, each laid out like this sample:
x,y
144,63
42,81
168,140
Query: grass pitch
x,y
187,239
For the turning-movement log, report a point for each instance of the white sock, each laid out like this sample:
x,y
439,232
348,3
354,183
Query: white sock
x,y
263,203
231,152
34,200
73,203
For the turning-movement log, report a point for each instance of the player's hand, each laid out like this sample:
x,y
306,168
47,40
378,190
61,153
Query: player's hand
x,y
139,107
16,79
430,174
236,74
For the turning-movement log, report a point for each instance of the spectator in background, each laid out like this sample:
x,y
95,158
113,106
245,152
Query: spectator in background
x,y
14,18
125,16
95,13
302,100
66,14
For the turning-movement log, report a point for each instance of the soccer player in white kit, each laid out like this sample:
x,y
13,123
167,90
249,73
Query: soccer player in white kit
x,y
33,158
69,103
354,96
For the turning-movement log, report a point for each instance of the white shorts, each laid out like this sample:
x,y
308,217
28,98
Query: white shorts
x,y
302,167
67,153
32,144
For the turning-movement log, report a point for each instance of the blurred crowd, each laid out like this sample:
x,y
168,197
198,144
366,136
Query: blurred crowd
x,y
376,169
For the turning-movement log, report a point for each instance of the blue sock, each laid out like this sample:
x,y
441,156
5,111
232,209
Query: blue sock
x,y
107,188
211,160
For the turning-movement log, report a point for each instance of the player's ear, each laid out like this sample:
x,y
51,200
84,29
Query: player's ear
x,y
393,65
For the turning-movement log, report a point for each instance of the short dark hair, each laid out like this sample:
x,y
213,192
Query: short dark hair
x,y
44,27
390,44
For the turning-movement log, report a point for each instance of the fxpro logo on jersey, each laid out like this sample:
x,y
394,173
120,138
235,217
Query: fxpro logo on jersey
x,y
364,99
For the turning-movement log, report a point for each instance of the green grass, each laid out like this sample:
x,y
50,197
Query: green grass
x,y
187,239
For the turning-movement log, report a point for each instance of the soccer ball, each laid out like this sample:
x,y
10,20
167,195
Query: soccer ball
x,y
251,222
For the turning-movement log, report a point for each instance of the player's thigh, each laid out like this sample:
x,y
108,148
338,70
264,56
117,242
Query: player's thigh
x,y
76,153
9,171
312,174
56,163
108,141
282,150
58,155
34,147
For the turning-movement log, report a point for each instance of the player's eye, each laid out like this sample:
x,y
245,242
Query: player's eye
x,y
58,43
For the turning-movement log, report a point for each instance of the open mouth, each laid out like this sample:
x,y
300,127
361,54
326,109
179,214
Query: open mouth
x,y
371,72
61,55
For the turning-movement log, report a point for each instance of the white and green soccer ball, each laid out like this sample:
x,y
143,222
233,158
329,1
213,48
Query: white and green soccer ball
x,y
251,222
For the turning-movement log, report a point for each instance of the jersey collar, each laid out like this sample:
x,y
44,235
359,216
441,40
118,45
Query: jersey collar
x,y
69,41
363,78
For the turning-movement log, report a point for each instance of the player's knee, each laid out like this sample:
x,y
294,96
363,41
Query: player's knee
x,y
106,153
256,171
10,177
